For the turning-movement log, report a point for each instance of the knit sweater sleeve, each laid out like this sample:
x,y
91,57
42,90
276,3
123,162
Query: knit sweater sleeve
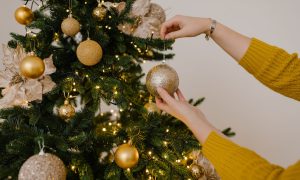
x,y
274,67
233,162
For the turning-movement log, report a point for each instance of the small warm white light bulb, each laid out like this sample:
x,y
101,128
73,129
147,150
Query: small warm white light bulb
x,y
73,168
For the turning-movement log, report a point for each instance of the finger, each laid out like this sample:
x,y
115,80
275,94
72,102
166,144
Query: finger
x,y
161,105
166,96
180,95
167,26
175,34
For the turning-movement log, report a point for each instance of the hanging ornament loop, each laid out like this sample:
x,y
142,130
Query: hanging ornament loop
x,y
41,143
164,54
70,8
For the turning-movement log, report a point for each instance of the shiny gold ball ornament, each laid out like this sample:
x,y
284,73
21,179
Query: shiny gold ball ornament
x,y
99,12
70,26
151,107
162,76
126,156
197,171
24,15
43,166
89,52
66,111
32,66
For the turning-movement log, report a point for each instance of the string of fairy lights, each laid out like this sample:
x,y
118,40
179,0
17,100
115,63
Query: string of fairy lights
x,y
112,127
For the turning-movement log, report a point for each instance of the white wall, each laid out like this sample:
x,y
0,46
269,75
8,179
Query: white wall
x,y
264,121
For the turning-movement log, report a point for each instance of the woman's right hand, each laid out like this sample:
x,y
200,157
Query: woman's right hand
x,y
184,26
188,114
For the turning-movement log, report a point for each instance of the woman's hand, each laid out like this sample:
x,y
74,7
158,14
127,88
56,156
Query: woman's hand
x,y
234,43
188,114
184,26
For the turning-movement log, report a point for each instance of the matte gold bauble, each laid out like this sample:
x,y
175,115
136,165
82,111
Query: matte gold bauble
x,y
151,107
197,171
66,111
70,26
162,76
126,156
99,12
24,15
43,166
32,67
89,52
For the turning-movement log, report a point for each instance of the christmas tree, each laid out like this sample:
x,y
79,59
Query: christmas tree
x,y
76,56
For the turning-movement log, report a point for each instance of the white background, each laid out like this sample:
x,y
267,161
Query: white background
x,y
264,121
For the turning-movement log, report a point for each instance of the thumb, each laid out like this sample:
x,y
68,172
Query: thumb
x,y
165,96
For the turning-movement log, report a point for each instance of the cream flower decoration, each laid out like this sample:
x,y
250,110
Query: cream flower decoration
x,y
18,90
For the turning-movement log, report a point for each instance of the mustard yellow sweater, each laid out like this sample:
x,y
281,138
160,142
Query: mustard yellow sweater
x,y
280,71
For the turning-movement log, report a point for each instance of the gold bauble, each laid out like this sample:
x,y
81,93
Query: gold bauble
x,y
99,12
197,171
162,76
66,111
126,156
152,107
149,53
43,166
89,52
24,15
70,26
32,67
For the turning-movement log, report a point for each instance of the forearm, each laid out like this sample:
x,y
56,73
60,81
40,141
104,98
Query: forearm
x,y
200,127
234,43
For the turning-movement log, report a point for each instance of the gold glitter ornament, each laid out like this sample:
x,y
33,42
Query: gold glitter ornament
x,y
126,156
100,12
151,107
89,52
66,111
197,171
24,15
32,66
43,166
162,76
70,26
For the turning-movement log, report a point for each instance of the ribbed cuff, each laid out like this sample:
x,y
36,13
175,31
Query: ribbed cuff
x,y
218,150
232,161
257,56
217,145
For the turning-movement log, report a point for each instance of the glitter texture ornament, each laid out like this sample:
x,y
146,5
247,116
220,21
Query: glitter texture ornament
x,y
24,15
197,171
32,66
89,52
126,156
66,111
100,12
70,26
43,166
162,76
